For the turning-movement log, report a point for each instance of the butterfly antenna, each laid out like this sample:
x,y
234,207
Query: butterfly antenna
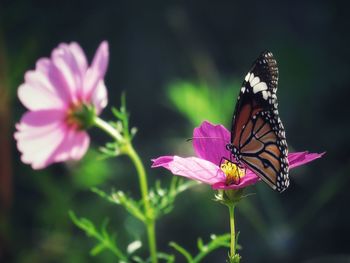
x,y
213,138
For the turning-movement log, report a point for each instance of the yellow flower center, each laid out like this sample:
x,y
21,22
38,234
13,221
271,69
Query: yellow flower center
x,y
232,171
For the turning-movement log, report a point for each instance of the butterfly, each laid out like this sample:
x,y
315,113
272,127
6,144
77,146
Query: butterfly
x,y
258,140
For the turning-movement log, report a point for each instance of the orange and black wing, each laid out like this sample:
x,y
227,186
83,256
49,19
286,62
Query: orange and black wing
x,y
257,131
263,149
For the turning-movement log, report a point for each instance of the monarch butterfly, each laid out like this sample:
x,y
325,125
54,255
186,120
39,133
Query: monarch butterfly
x,y
258,139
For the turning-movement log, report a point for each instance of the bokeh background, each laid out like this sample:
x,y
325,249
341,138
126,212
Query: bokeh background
x,y
181,62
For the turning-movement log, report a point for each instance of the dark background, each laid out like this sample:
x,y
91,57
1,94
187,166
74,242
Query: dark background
x,y
154,44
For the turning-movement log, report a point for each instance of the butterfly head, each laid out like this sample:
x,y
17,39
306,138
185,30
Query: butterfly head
x,y
230,147
234,151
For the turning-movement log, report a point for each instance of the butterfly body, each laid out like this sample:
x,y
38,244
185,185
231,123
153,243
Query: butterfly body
x,y
258,139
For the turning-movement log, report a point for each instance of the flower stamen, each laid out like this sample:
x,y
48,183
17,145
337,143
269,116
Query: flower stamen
x,y
232,171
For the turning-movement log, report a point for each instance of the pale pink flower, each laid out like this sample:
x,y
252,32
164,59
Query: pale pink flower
x,y
54,93
209,144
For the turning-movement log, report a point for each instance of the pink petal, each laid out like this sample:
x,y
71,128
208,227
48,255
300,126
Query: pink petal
x,y
36,97
192,168
79,57
73,147
52,76
43,138
39,134
301,158
247,180
69,71
41,119
209,142
100,61
38,92
97,70
162,161
99,97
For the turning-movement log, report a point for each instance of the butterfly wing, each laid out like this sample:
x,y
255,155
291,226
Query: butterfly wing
x,y
257,131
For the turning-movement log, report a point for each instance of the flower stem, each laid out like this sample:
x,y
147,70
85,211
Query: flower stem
x,y
150,220
129,150
105,126
233,257
232,226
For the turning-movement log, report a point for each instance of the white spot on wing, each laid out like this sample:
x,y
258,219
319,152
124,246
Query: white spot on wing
x,y
247,77
264,94
251,77
255,81
243,89
260,87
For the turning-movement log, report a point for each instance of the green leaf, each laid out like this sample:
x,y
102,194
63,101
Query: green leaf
x,y
163,199
167,257
120,198
118,114
182,251
204,249
97,249
234,259
237,246
122,123
200,244
105,241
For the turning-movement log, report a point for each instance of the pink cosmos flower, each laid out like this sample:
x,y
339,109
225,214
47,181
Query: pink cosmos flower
x,y
58,95
210,150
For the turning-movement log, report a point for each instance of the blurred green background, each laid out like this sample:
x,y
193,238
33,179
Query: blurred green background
x,y
181,62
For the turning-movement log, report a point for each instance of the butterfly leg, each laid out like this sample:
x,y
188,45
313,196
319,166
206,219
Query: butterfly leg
x,y
230,170
226,159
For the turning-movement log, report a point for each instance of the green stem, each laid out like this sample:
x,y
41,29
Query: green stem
x,y
129,150
232,226
150,221
105,126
